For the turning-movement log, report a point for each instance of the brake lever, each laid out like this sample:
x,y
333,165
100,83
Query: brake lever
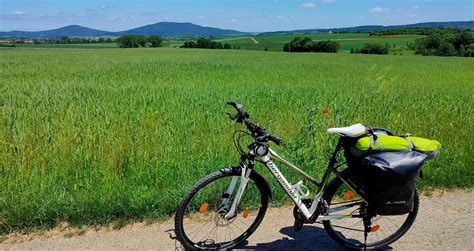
x,y
232,103
231,117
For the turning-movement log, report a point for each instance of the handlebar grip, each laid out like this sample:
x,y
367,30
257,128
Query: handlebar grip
x,y
275,139
232,103
238,107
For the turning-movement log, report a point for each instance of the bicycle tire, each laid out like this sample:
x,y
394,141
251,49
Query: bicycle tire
x,y
346,242
183,204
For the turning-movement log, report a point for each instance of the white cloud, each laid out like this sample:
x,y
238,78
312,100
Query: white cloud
x,y
328,1
202,17
378,9
17,12
308,5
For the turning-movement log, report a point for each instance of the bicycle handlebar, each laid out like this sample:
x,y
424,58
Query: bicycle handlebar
x,y
258,132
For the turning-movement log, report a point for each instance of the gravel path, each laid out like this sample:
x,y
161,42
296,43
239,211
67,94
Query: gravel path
x,y
444,222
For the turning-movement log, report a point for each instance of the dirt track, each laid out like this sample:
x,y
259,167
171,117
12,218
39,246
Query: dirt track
x,y
444,223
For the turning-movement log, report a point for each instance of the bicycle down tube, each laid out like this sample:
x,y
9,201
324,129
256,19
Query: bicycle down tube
x,y
297,199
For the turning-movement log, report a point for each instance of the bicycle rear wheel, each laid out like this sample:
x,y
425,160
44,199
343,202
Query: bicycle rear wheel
x,y
200,222
349,232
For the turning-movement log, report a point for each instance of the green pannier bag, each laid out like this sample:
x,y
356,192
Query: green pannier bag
x,y
395,143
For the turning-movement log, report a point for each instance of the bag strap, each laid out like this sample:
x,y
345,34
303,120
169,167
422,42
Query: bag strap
x,y
410,143
373,140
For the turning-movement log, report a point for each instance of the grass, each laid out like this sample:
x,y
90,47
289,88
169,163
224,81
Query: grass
x,y
93,136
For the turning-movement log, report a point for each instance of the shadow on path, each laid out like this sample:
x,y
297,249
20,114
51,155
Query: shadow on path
x,y
309,238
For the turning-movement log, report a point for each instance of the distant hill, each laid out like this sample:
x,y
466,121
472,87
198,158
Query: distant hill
x,y
71,30
179,29
162,28
190,29
369,28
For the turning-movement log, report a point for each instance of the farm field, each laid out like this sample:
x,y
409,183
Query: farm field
x,y
260,42
89,136
346,40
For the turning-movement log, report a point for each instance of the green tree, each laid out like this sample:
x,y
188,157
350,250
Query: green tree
x,y
131,41
189,44
203,42
305,44
227,46
464,38
445,49
155,41
63,40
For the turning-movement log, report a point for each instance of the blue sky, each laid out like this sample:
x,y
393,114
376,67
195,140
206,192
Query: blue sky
x,y
243,15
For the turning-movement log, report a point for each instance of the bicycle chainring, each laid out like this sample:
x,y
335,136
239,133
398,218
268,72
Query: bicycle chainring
x,y
299,216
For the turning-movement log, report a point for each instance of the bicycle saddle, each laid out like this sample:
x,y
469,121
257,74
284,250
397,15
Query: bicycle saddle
x,y
350,131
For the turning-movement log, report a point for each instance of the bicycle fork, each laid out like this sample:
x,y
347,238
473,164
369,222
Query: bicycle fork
x,y
244,179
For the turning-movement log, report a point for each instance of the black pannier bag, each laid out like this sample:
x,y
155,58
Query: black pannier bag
x,y
389,180
387,167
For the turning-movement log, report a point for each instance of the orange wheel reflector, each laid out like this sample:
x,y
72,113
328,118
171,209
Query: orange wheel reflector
x,y
347,195
246,213
203,208
374,228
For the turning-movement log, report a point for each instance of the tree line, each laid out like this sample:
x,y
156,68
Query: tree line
x,y
135,41
73,40
206,43
306,44
446,44
415,31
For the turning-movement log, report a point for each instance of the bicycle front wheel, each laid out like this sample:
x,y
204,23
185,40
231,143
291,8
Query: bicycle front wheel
x,y
200,222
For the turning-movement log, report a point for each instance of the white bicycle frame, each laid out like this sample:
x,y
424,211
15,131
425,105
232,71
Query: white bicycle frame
x,y
294,195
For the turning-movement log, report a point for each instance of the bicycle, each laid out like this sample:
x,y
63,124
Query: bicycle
x,y
223,209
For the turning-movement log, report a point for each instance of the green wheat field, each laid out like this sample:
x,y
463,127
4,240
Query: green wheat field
x,y
94,135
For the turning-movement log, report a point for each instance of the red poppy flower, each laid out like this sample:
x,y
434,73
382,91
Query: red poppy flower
x,y
325,110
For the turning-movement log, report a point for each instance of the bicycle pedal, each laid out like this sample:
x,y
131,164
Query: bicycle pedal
x,y
298,225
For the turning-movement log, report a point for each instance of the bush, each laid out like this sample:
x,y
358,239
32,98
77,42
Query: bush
x,y
189,44
445,49
205,43
131,41
305,44
374,48
155,41
443,44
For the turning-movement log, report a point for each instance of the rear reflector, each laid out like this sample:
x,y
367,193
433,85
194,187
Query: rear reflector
x,y
203,208
374,228
347,195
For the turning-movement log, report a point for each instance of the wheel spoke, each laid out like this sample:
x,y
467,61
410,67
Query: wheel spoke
x,y
207,227
351,233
